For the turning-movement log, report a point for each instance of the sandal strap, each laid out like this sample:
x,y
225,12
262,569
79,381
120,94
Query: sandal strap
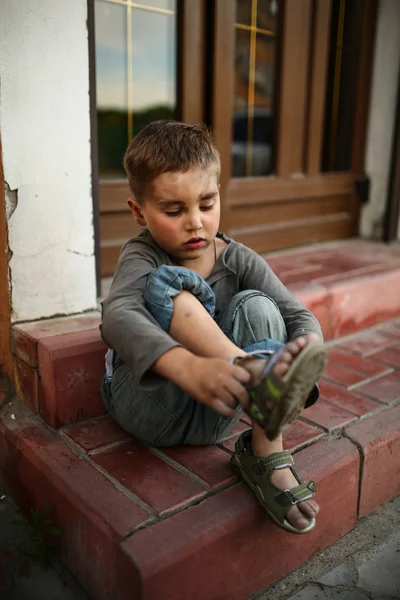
x,y
274,383
262,354
277,460
302,492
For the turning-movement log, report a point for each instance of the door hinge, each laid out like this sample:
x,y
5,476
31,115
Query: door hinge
x,y
362,186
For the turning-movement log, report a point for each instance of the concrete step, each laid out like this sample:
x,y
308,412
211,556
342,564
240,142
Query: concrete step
x,y
140,523
348,285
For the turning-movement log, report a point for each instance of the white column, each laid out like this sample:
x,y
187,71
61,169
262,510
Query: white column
x,y
382,115
45,131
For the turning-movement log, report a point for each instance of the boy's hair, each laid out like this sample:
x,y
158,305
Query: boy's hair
x,y
167,146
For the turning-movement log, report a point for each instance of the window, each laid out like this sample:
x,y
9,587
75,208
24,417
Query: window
x,y
345,45
136,73
254,118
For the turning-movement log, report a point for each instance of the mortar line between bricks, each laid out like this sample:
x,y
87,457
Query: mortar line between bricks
x,y
109,446
60,316
376,410
354,387
383,408
389,369
77,451
168,513
93,451
122,488
369,397
361,469
83,456
325,429
82,422
181,509
358,418
178,467
154,516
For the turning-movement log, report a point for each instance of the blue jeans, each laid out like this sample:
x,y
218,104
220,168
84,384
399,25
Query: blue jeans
x,y
167,416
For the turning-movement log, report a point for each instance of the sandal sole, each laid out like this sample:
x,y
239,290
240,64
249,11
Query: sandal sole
x,y
300,379
260,498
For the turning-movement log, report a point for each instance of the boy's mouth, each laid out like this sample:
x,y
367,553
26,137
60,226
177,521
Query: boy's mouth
x,y
194,243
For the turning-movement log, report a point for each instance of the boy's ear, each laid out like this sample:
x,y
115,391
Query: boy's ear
x,y
137,212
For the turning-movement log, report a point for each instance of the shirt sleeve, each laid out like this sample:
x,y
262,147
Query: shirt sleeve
x,y
127,326
255,273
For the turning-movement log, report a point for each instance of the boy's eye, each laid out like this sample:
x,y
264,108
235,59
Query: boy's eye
x,y
173,213
207,206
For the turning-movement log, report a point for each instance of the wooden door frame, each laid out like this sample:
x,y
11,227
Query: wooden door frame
x,y
392,213
6,357
287,185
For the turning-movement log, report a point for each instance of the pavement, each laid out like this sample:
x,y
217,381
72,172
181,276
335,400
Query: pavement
x,y
363,565
23,577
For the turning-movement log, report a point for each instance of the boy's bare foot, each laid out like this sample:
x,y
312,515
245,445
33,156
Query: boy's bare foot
x,y
255,366
281,383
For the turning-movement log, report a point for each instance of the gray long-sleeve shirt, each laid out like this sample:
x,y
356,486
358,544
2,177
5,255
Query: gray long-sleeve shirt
x,y
135,335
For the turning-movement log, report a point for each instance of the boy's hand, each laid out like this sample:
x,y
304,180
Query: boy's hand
x,y
212,381
217,384
310,338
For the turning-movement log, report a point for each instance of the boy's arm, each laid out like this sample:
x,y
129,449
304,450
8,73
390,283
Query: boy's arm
x,y
255,273
127,326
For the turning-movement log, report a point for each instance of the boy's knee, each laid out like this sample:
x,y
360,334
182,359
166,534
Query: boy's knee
x,y
254,304
166,283
258,312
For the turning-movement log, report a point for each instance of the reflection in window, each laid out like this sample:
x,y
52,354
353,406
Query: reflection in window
x,y
257,30
345,42
135,73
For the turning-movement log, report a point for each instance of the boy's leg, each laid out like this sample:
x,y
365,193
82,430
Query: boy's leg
x,y
165,415
246,321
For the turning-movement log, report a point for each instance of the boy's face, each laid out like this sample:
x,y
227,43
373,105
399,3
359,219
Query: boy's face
x,y
182,211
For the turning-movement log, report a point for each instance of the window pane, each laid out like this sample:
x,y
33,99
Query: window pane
x,y
153,67
267,13
111,84
135,74
255,88
345,41
243,12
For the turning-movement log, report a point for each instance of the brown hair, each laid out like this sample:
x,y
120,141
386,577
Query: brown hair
x,y
167,146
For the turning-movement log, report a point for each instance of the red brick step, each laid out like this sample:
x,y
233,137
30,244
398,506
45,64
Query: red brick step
x,y
142,523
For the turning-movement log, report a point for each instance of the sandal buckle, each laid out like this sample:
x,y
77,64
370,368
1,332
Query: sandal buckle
x,y
288,494
286,498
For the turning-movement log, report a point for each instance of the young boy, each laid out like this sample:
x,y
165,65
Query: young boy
x,y
197,325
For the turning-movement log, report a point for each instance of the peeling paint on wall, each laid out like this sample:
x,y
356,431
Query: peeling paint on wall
x,y
11,197
45,129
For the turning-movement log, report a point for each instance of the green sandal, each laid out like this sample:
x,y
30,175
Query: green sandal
x,y
256,473
287,394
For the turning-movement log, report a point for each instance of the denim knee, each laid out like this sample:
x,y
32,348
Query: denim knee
x,y
252,316
165,283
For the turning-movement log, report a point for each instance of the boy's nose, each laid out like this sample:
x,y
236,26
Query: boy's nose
x,y
194,222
